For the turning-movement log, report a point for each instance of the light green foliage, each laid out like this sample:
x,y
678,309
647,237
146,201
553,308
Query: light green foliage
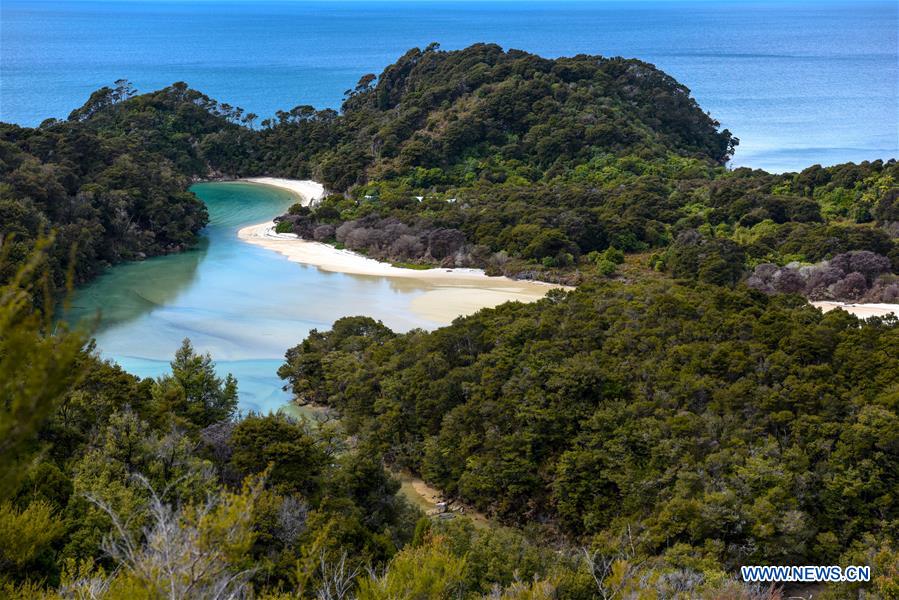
x,y
25,534
284,227
36,368
194,552
606,261
125,447
426,572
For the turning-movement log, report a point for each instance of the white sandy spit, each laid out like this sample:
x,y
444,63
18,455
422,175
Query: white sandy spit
x,y
860,310
448,293
308,191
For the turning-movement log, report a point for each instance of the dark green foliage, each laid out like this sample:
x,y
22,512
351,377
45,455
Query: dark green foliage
x,y
744,217
698,416
296,460
343,345
478,157
440,109
193,394
713,424
111,181
715,261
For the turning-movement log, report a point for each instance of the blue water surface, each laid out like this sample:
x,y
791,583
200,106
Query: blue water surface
x,y
241,303
798,82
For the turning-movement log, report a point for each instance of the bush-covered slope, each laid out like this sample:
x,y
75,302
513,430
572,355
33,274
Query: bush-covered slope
x,y
748,428
651,433
112,178
111,181
479,157
435,109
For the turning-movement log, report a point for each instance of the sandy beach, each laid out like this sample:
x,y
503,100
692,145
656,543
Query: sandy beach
x,y
859,310
448,293
308,191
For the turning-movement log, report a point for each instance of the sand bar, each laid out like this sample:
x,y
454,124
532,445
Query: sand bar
x,y
308,191
860,310
447,293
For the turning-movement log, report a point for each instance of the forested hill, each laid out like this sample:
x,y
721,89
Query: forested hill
x,y
716,426
514,110
503,160
682,413
551,169
112,179
110,182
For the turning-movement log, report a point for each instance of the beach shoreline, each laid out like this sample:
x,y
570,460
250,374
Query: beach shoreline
x,y
446,293
329,258
859,310
308,191
447,290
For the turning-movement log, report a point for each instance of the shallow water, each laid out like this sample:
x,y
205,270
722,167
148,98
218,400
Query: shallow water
x,y
799,82
243,304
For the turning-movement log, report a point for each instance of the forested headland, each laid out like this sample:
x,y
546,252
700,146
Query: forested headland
x,y
682,413
524,166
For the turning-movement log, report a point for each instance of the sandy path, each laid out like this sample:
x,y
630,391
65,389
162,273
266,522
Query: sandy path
x,y
426,497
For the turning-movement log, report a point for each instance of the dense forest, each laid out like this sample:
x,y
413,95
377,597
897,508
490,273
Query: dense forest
x,y
682,413
523,166
112,178
110,182
715,423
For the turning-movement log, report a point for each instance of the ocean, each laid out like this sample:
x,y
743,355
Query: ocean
x,y
798,82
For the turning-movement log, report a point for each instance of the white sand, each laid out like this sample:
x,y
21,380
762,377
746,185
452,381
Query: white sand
x,y
448,293
308,191
860,310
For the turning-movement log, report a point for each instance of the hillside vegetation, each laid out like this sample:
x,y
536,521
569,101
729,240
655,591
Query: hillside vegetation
x,y
713,422
682,413
481,157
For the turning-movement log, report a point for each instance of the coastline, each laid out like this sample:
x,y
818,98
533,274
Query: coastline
x,y
862,311
308,191
448,293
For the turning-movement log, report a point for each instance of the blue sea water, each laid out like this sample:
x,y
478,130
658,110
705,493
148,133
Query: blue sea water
x,y
798,82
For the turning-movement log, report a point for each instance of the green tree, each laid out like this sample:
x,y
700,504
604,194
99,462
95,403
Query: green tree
x,y
193,393
295,457
424,572
37,366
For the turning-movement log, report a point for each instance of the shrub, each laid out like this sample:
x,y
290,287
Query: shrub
x,y
869,264
323,233
284,227
851,287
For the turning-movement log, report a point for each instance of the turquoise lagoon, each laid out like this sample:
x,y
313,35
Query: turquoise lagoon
x,y
241,303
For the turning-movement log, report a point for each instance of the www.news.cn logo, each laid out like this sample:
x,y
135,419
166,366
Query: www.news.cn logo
x,y
805,574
